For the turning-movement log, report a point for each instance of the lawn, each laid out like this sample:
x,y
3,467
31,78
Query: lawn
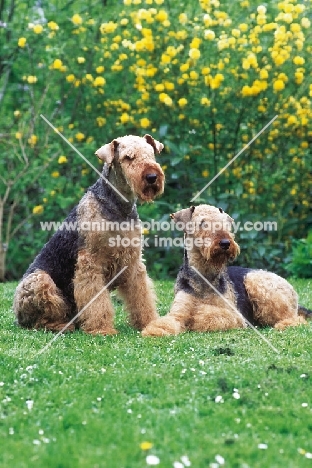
x,y
220,398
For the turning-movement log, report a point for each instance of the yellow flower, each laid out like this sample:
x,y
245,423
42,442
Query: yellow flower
x,y
124,118
38,29
22,42
299,76
261,9
79,136
169,86
209,34
106,28
205,101
17,113
57,64
52,25
37,210
159,87
55,174
182,102
184,67
70,78
293,191
62,160
100,121
205,173
18,135
81,59
278,85
165,58
195,43
193,75
32,140
32,79
76,19
183,18
163,97
205,70
99,81
243,27
145,445
305,23
145,123
264,74
298,60
161,16
194,54
292,120
100,69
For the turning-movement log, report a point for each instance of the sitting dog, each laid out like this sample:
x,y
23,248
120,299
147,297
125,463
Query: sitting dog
x,y
75,270
211,296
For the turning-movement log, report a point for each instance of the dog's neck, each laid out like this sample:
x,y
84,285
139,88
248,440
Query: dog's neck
x,y
210,270
117,179
118,202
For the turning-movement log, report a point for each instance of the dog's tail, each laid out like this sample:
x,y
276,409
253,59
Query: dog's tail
x,y
306,313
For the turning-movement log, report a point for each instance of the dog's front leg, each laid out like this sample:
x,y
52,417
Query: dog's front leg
x,y
93,302
139,296
178,319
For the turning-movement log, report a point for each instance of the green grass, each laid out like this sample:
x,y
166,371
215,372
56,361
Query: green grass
x,y
96,399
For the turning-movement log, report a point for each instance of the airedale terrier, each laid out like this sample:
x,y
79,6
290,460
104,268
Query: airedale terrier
x,y
71,270
210,296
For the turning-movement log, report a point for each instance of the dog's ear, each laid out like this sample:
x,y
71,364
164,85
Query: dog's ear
x,y
183,216
158,147
107,152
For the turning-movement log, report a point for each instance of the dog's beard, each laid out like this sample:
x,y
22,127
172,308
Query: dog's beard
x,y
218,256
150,192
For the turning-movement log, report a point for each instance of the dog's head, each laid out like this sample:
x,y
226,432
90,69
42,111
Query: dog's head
x,y
133,159
208,231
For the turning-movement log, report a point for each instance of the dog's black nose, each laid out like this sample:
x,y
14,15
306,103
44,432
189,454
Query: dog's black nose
x,y
151,178
224,244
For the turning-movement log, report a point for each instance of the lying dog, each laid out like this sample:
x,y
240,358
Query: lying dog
x,y
211,296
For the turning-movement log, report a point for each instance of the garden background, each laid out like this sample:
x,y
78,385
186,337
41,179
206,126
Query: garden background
x,y
204,77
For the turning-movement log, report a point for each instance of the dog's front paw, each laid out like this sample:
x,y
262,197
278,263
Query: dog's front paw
x,y
163,326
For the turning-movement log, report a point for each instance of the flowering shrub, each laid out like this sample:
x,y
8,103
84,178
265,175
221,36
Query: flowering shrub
x,y
204,77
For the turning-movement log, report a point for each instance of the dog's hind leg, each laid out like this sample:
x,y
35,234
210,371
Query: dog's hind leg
x,y
39,304
274,300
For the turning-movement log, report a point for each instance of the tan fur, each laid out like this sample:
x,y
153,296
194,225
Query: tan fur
x,y
189,313
37,293
274,301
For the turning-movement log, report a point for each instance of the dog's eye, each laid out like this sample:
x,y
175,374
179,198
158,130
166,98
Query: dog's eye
x,y
128,158
220,209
